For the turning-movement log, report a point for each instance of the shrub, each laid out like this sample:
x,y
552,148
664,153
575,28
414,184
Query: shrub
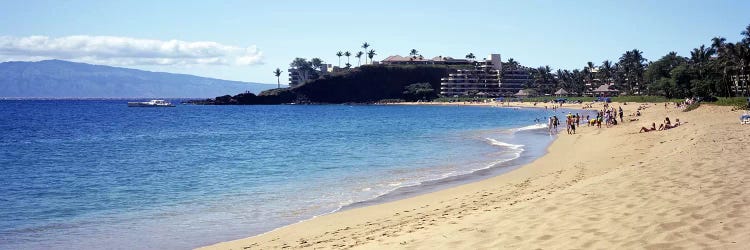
x,y
691,107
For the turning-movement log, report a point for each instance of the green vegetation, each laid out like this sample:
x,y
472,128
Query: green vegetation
x,y
720,69
419,91
277,73
339,54
692,107
391,101
366,45
739,103
644,98
371,83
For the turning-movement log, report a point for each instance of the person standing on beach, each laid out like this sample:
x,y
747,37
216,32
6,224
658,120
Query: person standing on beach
x,y
555,122
621,114
573,126
550,125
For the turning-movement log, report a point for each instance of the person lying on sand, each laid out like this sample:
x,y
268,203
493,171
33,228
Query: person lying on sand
x,y
677,123
645,129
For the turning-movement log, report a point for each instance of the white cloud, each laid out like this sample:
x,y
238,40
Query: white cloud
x,y
114,50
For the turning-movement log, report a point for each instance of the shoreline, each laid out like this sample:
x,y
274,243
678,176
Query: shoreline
x,y
516,201
446,182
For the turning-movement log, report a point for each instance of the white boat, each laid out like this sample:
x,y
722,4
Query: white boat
x,y
152,103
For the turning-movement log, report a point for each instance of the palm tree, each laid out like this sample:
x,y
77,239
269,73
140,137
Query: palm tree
x,y
277,73
605,71
717,43
316,63
359,58
700,57
589,73
512,63
413,53
632,65
639,66
371,54
560,81
746,33
339,54
347,54
720,46
470,56
348,65
365,46
543,79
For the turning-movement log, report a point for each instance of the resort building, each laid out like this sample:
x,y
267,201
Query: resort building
x,y
297,76
416,60
605,90
513,80
740,84
594,82
483,79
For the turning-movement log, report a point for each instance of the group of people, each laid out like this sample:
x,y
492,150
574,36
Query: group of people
x,y
608,116
571,121
664,126
681,105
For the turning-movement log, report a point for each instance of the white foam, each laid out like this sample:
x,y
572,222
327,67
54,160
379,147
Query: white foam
x,y
505,144
532,127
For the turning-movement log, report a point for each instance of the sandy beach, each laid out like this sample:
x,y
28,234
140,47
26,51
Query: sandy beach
x,y
603,188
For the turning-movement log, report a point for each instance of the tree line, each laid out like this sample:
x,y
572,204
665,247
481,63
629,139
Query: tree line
x,y
719,69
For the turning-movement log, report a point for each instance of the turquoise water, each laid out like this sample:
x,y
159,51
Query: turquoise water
x,y
87,174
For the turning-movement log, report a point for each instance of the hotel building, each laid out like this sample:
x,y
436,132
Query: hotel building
x,y
483,79
296,77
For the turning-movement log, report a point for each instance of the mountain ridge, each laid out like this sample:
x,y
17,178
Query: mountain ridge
x,y
65,79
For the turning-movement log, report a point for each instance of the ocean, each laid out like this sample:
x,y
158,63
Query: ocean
x,y
82,174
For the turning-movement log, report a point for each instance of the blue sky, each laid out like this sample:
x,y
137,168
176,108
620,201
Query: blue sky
x,y
249,39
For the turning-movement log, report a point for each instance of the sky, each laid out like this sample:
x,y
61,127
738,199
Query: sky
x,y
247,40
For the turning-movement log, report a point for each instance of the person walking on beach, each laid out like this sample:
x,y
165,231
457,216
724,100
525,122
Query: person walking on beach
x,y
551,125
606,119
555,122
573,126
621,114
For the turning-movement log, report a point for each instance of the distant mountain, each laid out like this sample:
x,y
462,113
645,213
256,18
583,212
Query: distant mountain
x,y
63,79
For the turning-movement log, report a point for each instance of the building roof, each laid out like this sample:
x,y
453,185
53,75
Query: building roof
x,y
442,58
398,58
395,58
605,88
561,92
522,93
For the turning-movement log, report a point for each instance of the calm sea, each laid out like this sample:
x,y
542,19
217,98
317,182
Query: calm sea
x,y
97,174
